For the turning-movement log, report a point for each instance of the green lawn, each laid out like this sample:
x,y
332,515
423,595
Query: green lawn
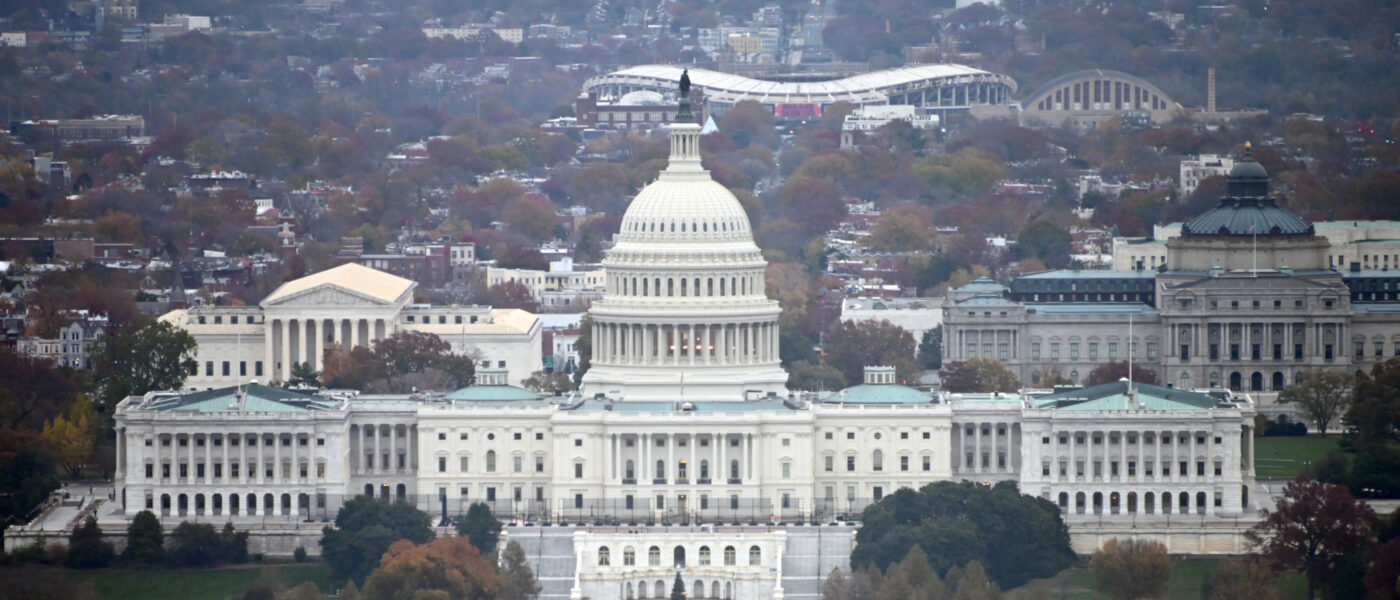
x,y
1286,456
1187,576
188,584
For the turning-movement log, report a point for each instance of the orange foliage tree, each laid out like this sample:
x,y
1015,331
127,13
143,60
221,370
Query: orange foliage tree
x,y
447,567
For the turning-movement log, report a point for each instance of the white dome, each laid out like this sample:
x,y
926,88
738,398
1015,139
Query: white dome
x,y
685,209
641,98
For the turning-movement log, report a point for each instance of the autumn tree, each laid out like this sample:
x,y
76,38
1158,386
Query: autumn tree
x,y
548,383
532,217
1114,371
449,567
853,345
1313,525
901,229
1323,395
1131,569
510,294
73,437
150,355
979,375
1246,578
33,390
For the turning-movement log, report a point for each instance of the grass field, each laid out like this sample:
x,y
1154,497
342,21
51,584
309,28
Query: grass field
x,y
1287,456
186,584
1187,576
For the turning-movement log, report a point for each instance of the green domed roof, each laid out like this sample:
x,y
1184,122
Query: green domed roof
x,y
1246,208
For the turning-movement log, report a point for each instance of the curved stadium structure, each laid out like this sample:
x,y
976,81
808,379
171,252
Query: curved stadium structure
x,y
940,88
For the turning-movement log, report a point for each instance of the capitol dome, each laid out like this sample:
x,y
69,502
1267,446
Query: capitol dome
x,y
685,316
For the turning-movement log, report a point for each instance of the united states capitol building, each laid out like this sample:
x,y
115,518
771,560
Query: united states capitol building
x,y
683,449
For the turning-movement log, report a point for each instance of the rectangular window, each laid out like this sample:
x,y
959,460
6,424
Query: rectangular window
x,y
904,463
208,368
1074,351
1360,349
1054,351
539,464
462,464
787,470
1093,350
1112,351
1215,351
850,463
830,464
928,463
1035,351
150,471
1151,350
517,464
1003,351
578,470
225,368
490,494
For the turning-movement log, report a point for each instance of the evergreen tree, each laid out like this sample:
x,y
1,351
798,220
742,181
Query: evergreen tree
x,y
144,541
481,526
835,586
678,589
86,550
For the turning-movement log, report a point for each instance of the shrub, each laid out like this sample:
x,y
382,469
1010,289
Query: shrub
x,y
86,549
299,554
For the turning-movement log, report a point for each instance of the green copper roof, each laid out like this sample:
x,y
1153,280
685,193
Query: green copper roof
x,y
879,393
660,406
255,398
1247,208
1114,396
492,393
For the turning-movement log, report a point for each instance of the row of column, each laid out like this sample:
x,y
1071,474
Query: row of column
x,y
372,454
252,472
1145,452
645,471
985,343
685,344
305,340
992,446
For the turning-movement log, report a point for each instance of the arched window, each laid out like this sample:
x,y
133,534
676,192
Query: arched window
x,y
1074,377
629,556
1185,381
604,556
1256,382
654,556
704,556
660,469
877,461
670,287
729,556
490,461
734,469
755,556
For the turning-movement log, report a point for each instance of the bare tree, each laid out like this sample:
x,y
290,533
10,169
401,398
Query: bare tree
x,y
1321,394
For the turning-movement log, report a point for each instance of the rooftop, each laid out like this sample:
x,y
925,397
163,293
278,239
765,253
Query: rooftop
x,y
354,277
247,398
1115,396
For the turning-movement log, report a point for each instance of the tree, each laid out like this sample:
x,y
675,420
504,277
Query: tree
x,y
931,348
532,216
33,390
150,355
853,345
1046,241
834,588
803,375
547,383
1019,537
26,472
1313,525
86,548
482,527
510,294
1374,417
1383,580
72,437
234,544
1131,569
1240,579
144,541
678,588
912,579
1114,371
979,375
364,529
195,545
449,567
973,584
518,579
1322,395
304,374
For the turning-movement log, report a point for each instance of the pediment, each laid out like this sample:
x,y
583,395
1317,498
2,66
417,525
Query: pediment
x,y
327,294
